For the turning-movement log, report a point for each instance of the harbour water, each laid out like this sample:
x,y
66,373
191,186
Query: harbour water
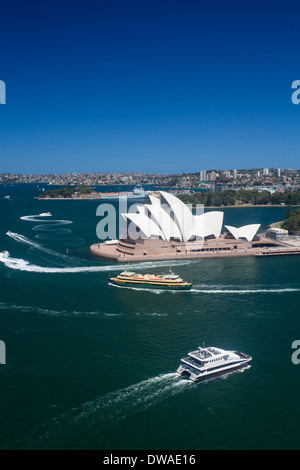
x,y
90,366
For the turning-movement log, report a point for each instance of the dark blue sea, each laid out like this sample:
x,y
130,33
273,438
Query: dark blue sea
x,y
90,366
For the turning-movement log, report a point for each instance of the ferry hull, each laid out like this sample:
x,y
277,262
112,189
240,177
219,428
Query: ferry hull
x,y
149,285
212,375
218,374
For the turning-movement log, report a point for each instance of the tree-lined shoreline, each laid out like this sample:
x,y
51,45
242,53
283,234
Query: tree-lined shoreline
x,y
242,198
292,222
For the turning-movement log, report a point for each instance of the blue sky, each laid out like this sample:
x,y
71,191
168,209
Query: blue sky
x,y
149,86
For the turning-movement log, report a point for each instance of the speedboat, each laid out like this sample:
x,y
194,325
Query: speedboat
x,y
164,281
206,363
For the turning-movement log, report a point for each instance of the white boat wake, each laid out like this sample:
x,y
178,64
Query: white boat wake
x,y
145,289
23,265
65,258
209,290
26,241
113,407
110,408
133,398
57,313
45,223
243,291
36,218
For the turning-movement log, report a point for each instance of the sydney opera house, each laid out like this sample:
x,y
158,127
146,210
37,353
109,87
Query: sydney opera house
x,y
168,229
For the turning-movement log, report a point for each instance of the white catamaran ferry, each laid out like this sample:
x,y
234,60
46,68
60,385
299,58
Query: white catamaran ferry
x,y
206,363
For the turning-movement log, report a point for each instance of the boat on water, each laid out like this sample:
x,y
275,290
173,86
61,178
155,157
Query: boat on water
x,y
169,281
206,363
137,193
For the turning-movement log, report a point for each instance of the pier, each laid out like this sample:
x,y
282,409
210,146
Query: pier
x,y
279,252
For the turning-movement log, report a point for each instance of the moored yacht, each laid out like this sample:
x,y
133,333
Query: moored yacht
x,y
206,363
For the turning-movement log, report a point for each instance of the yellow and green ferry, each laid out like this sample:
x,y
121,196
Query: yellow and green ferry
x,y
149,281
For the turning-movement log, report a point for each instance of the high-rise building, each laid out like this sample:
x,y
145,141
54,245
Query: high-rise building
x,y
266,172
212,176
203,176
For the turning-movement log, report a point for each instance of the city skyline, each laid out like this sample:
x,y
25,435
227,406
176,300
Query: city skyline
x,y
275,179
138,87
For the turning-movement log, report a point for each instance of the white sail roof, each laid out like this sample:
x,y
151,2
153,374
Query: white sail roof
x,y
247,231
146,225
208,224
154,199
183,216
167,225
234,231
142,209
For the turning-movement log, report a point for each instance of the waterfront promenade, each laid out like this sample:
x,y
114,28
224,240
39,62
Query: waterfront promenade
x,y
125,251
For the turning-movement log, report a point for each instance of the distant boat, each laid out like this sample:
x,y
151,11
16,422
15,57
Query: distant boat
x,y
137,193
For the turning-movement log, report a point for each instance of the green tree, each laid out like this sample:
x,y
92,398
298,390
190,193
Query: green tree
x,y
292,224
288,212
